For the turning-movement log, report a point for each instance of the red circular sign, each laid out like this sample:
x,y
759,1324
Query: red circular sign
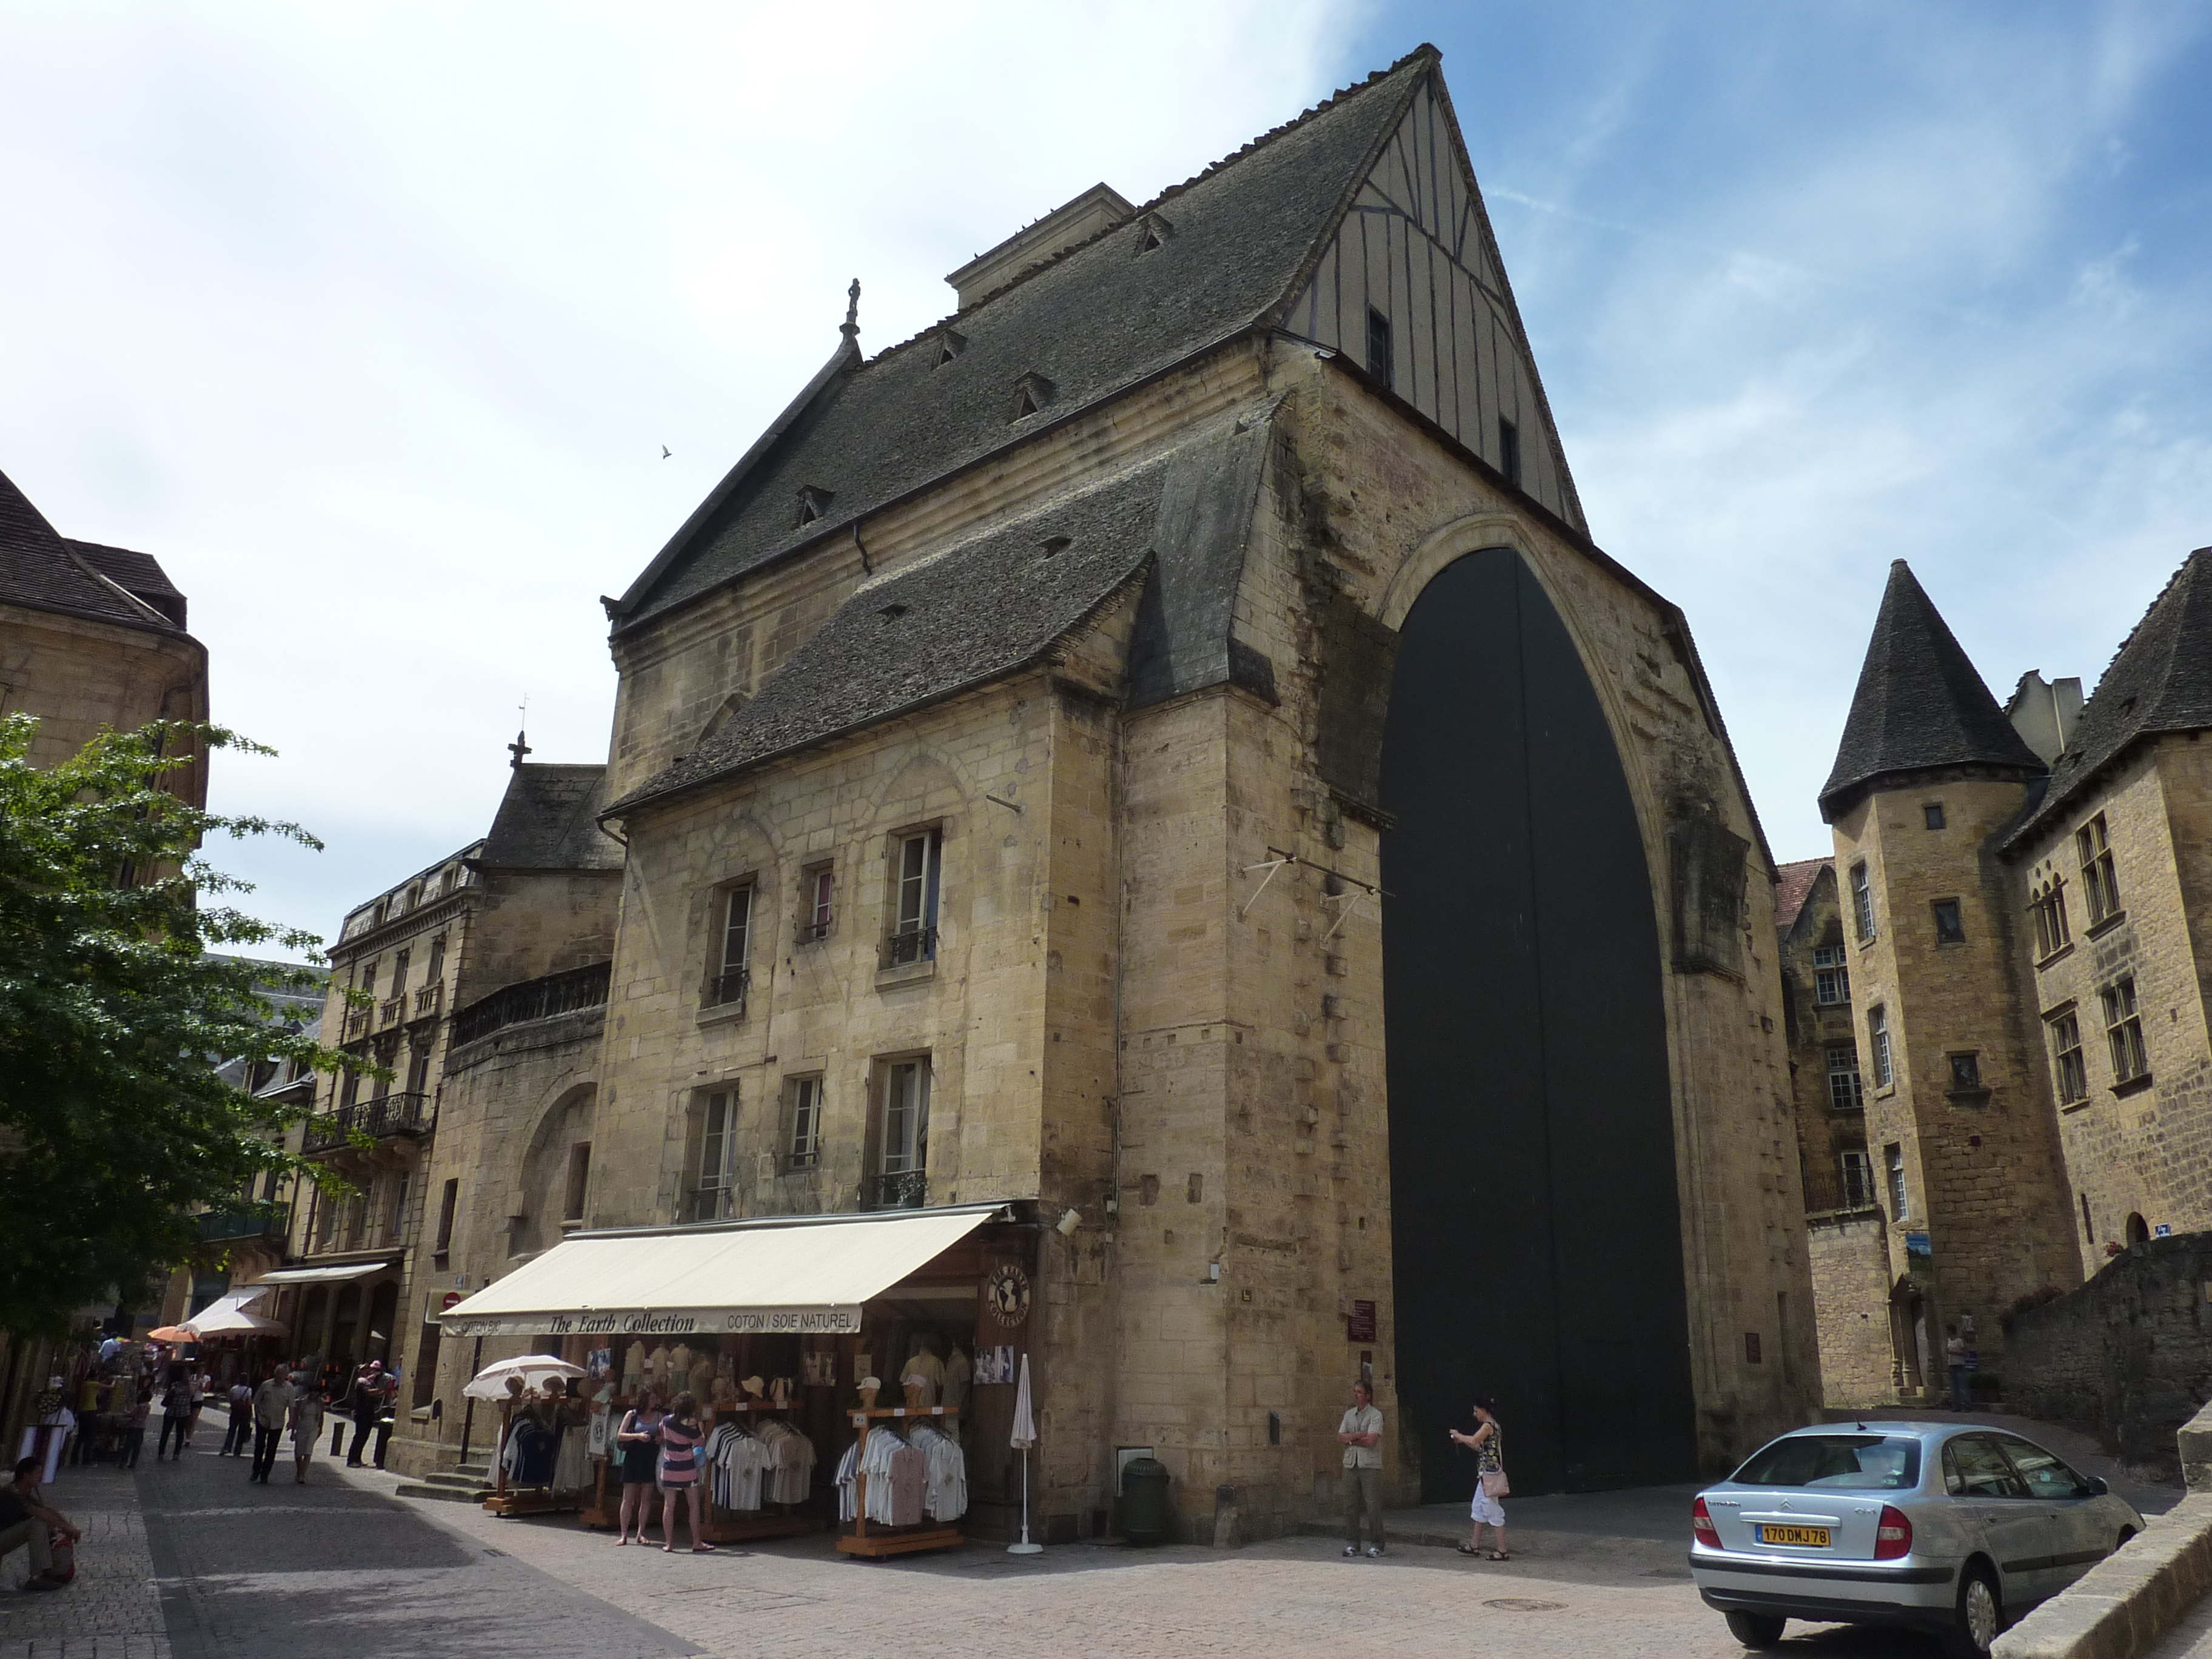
x,y
453,1299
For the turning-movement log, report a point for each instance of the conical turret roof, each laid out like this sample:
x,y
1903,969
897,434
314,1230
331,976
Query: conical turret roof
x,y
1920,705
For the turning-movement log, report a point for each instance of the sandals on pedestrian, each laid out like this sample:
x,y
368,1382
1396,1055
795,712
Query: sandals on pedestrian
x,y
1468,1549
1498,1555
704,1549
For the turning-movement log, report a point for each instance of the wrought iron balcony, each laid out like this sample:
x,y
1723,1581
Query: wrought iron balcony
x,y
217,1224
908,1189
910,945
533,999
728,988
813,929
1827,1191
379,1120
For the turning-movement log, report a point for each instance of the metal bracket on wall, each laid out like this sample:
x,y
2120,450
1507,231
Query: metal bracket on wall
x,y
1270,867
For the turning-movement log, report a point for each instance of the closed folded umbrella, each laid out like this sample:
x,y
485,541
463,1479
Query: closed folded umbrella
x,y
1022,1437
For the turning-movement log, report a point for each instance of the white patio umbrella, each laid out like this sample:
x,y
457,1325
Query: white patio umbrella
x,y
536,1369
1022,1437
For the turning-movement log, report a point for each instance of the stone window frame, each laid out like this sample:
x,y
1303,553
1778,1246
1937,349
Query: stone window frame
x,y
818,902
905,1188
2124,1034
2099,879
1831,977
713,1119
1862,886
1380,345
1896,1187
1950,929
804,1096
448,1202
577,1190
1964,1081
1931,815
1855,1166
1846,1088
1885,1058
2046,908
910,932
2070,1066
716,995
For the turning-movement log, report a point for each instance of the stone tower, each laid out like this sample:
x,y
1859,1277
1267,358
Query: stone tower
x,y
1958,1126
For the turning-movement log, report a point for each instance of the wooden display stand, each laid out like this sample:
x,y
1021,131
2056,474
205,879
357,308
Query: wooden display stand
x,y
537,1500
736,1526
893,1541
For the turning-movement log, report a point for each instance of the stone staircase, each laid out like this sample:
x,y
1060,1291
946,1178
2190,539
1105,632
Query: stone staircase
x,y
471,1483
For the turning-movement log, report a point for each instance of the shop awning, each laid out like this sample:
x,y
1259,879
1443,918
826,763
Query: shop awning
x,y
802,1276
227,1315
321,1275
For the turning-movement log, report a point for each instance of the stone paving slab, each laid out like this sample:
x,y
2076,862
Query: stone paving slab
x,y
111,1609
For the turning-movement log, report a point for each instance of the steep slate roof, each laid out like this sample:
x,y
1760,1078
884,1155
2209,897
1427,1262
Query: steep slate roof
x,y
956,620
1919,704
2160,680
139,575
549,819
1093,322
1793,885
40,570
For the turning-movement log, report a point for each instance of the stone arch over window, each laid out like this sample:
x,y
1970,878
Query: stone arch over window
x,y
539,1206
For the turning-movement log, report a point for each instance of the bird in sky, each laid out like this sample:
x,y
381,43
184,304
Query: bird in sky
x,y
663,452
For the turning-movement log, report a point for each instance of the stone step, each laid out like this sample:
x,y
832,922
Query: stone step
x,y
468,1493
455,1478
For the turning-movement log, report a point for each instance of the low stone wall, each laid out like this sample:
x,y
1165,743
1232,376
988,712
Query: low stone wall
x,y
2127,1357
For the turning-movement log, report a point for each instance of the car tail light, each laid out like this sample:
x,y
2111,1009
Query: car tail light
x,y
1892,1535
1701,1523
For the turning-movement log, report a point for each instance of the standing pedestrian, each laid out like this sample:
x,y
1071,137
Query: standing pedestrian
x,y
26,1523
637,1443
306,1429
135,1414
239,1440
367,1404
1360,1434
201,1382
1487,1443
681,1438
1954,1358
272,1406
176,1414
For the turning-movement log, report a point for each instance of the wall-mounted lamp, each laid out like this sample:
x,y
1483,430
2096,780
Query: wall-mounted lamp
x,y
1069,1223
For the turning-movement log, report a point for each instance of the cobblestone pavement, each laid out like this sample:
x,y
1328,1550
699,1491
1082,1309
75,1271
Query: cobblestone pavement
x,y
221,1567
112,1610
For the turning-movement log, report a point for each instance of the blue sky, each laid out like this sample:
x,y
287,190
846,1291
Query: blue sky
x,y
371,322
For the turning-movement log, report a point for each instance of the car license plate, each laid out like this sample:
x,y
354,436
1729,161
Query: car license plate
x,y
1804,1537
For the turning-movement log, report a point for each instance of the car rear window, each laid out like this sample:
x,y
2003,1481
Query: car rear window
x,y
1873,1462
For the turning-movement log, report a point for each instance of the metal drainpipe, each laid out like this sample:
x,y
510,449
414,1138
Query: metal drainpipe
x,y
468,1416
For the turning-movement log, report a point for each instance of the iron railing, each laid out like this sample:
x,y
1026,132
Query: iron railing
x,y
727,988
910,945
1828,1190
378,1118
908,1189
218,1225
534,999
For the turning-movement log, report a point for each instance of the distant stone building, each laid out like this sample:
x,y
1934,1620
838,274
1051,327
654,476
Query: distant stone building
x,y
92,638
2021,905
1149,778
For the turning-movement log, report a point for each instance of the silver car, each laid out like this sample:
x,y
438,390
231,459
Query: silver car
x,y
1943,1526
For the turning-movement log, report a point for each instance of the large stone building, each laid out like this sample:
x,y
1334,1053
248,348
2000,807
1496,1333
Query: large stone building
x,y
1141,785
92,638
2019,901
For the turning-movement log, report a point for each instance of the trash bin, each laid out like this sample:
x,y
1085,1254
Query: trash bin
x,y
1145,1500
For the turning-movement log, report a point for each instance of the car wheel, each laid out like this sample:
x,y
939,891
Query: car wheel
x,y
1756,1630
1980,1613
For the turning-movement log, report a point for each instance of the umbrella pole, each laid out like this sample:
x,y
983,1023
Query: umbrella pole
x,y
1025,1548
468,1413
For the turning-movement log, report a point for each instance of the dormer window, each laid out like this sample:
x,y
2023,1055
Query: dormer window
x,y
950,344
1031,393
813,502
1153,233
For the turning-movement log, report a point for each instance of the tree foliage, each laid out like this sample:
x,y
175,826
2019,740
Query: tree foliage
x,y
114,1013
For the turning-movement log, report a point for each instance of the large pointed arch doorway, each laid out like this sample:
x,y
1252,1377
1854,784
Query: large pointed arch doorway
x,y
1535,1225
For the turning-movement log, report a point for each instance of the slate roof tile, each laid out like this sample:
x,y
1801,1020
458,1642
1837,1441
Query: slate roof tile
x,y
549,819
2159,681
40,570
1919,705
1092,322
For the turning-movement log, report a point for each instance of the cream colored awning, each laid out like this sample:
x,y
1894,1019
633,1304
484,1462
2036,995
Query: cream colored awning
x,y
321,1275
809,1276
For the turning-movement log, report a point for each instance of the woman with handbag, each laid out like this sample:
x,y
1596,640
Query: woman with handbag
x,y
1487,1443
637,1448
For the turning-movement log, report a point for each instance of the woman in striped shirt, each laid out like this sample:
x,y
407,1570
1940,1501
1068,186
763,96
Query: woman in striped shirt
x,y
681,1438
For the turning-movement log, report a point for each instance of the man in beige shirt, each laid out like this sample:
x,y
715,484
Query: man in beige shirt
x,y
1360,1434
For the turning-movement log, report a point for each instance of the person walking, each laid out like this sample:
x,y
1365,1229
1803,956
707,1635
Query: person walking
x,y
238,1440
26,1523
681,1438
201,1382
176,1414
367,1402
306,1429
1360,1434
1487,1443
637,1443
1954,1359
272,1406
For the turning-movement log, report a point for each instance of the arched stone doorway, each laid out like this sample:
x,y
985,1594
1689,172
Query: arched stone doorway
x,y
1535,1225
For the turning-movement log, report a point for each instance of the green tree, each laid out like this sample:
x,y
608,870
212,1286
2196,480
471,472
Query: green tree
x,y
114,1013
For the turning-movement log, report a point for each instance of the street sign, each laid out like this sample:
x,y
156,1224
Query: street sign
x,y
453,1299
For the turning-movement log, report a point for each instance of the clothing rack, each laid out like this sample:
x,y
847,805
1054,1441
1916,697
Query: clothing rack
x,y
538,1500
894,1541
735,1526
